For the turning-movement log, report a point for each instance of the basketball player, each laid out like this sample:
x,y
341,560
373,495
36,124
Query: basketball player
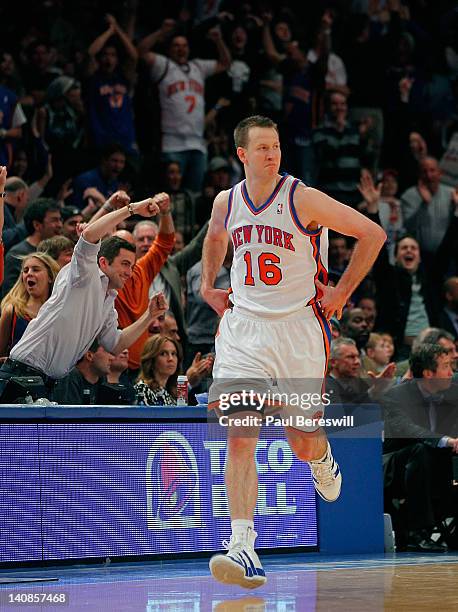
x,y
277,327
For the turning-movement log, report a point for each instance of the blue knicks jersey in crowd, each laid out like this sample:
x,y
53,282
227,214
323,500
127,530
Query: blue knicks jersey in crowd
x,y
111,113
276,260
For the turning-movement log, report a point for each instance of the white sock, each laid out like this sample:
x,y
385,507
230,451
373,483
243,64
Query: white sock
x,y
240,527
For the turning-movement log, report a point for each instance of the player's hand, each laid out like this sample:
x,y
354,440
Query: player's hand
x,y
332,300
158,305
146,208
2,178
218,299
163,201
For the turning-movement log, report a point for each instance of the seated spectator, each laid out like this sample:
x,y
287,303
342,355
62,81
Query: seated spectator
x,y
22,303
420,436
159,366
118,389
59,248
345,383
181,85
110,89
82,384
369,308
377,355
353,325
198,367
105,178
42,220
427,208
71,217
448,317
16,200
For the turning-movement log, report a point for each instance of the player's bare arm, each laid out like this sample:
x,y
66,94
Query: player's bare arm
x,y
214,251
316,208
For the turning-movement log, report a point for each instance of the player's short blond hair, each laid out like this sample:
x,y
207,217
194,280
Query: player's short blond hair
x,y
242,129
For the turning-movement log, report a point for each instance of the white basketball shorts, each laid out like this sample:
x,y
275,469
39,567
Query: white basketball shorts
x,y
281,362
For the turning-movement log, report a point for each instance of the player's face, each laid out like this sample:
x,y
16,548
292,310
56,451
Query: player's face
x,y
263,155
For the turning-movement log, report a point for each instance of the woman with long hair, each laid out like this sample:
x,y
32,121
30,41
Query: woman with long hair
x,y
22,303
159,365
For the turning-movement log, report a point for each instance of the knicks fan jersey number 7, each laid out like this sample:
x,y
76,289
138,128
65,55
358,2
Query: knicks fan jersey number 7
x,y
276,260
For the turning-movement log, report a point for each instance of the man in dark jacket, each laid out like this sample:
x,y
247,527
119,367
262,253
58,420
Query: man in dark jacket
x,y
407,293
420,436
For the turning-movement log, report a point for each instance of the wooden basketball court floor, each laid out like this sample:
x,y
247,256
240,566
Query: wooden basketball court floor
x,y
296,583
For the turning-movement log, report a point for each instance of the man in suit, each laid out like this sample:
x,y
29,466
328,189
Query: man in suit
x,y
420,438
448,317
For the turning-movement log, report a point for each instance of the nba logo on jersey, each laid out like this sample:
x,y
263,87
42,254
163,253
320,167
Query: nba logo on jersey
x,y
280,208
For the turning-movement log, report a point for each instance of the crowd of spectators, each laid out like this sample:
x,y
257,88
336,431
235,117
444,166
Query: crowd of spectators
x,y
100,109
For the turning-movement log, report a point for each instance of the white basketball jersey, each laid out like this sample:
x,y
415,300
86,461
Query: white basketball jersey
x,y
276,260
181,93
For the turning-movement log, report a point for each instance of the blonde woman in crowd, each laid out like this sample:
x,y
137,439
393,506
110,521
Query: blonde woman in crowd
x,y
22,303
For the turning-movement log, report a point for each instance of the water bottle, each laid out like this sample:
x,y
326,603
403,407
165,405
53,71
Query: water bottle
x,y
389,536
182,391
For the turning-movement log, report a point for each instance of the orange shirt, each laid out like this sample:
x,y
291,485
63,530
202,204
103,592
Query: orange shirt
x,y
132,300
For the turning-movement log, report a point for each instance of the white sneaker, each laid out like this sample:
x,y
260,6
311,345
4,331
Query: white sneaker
x,y
240,565
327,477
